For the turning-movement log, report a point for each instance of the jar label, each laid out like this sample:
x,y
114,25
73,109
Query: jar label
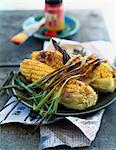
x,y
54,16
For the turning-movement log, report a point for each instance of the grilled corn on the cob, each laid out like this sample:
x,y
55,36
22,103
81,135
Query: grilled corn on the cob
x,y
34,70
53,59
104,70
76,94
105,78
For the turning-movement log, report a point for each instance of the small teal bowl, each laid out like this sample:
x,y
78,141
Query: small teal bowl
x,y
71,27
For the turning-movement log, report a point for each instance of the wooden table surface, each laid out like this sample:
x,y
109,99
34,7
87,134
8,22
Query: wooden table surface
x,y
17,136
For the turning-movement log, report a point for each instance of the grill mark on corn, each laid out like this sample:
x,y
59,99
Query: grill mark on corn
x,y
51,58
33,68
102,71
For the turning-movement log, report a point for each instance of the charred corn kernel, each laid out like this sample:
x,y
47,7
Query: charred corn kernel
x,y
75,94
53,59
34,70
104,70
75,59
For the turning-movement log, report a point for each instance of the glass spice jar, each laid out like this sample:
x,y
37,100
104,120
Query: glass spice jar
x,y
54,15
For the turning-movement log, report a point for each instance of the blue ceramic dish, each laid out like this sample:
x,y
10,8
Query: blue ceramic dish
x,y
71,27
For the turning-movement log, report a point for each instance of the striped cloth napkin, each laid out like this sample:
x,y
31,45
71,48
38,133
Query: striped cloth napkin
x,y
69,131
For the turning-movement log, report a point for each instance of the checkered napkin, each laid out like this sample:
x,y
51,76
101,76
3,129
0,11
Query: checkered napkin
x,y
68,131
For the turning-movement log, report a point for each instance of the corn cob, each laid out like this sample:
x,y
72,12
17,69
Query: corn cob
x,y
102,71
76,94
105,78
34,70
53,59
